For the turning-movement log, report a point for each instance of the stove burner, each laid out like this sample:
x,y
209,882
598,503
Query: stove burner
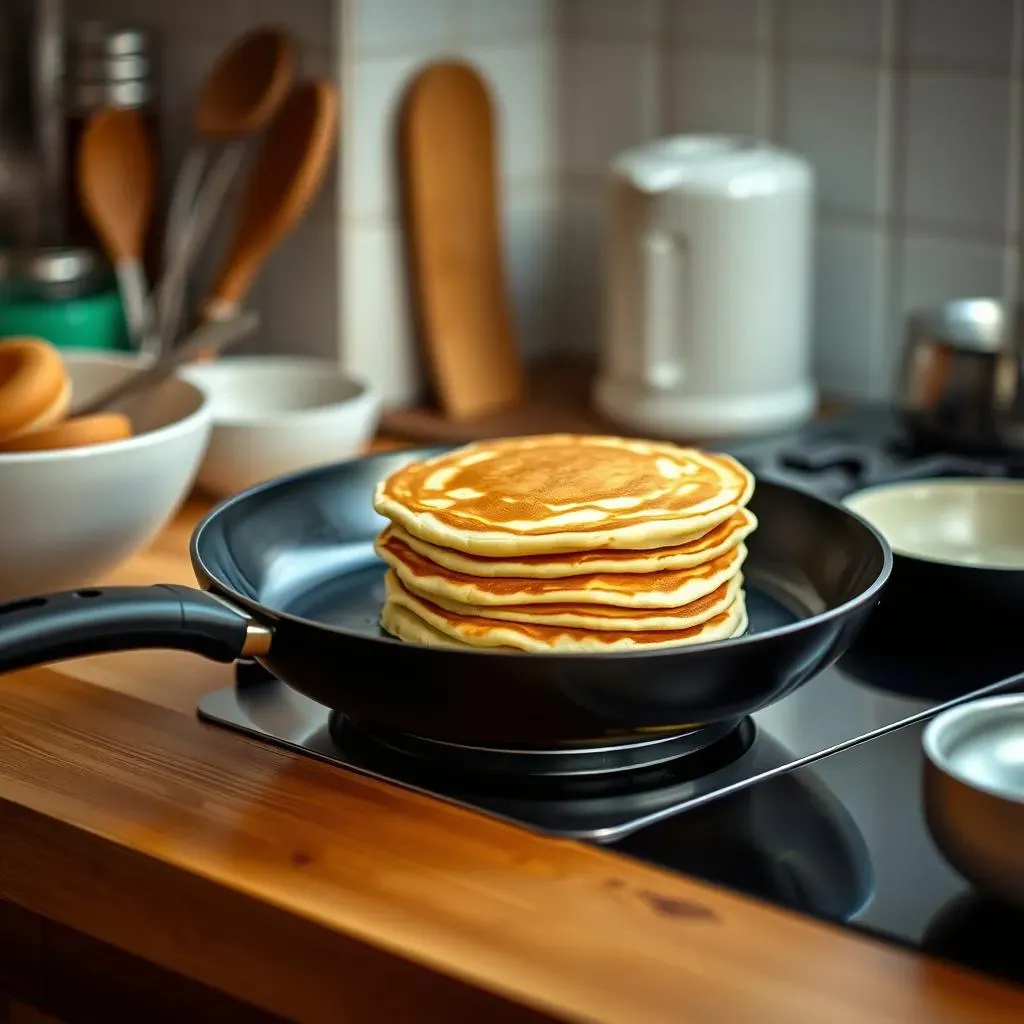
x,y
852,460
528,762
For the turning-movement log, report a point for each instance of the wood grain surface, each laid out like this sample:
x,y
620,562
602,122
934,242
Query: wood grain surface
x,y
322,896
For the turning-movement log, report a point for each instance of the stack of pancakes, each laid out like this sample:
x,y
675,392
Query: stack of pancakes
x,y
566,543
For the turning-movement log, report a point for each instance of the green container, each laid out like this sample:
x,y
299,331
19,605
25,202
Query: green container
x,y
93,321
65,296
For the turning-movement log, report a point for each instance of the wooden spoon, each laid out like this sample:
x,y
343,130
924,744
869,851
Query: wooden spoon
x,y
244,89
283,181
117,189
247,85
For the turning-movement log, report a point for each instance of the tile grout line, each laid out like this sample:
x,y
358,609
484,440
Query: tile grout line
x,y
1015,169
344,59
655,68
768,115
821,54
890,271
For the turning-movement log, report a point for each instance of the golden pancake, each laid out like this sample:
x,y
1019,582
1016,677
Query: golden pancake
x,y
564,492
405,625
717,541
478,632
667,589
602,617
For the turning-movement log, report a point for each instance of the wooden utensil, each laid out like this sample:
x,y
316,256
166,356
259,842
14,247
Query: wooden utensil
x,y
244,89
117,189
449,161
283,180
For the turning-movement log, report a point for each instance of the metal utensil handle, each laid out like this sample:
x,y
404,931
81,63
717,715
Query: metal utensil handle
x,y
195,230
76,623
131,282
183,197
212,336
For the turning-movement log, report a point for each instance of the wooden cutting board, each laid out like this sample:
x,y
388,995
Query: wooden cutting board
x,y
452,210
557,401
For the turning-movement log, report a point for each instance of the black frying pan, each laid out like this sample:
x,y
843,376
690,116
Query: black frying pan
x,y
951,616
300,588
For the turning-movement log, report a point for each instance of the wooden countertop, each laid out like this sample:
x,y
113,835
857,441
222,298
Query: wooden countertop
x,y
321,896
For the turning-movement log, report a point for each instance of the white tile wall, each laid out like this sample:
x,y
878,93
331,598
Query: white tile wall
x,y
833,28
695,100
957,147
383,43
961,34
593,127
911,111
578,309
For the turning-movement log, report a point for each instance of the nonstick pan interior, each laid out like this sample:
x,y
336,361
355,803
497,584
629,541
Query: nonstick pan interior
x,y
298,553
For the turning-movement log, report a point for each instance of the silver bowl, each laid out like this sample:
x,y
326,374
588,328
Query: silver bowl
x,y
974,792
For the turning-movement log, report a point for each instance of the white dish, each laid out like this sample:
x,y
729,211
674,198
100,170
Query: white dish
x,y
964,522
275,415
71,515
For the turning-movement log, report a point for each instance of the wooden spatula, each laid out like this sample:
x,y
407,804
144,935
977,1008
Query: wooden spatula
x,y
117,189
449,158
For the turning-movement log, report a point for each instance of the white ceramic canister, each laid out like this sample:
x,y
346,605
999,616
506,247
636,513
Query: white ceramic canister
x,y
708,290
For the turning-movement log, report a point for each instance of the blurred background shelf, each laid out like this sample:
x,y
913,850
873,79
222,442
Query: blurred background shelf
x,y
557,400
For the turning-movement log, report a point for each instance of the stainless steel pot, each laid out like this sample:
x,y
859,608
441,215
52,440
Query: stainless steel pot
x,y
960,384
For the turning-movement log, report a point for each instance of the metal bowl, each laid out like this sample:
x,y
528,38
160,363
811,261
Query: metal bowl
x,y
974,792
960,385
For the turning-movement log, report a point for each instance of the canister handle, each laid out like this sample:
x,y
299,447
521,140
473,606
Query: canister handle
x,y
665,309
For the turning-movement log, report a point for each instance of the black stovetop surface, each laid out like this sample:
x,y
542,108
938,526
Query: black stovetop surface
x,y
844,839
824,813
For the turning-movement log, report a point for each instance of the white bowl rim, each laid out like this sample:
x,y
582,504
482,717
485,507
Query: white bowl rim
x,y
902,488
201,413
364,394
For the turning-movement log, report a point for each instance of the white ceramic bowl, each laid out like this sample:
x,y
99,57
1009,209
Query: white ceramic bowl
x,y
68,517
274,415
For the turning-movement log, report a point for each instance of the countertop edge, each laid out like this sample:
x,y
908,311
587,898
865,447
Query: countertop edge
x,y
118,858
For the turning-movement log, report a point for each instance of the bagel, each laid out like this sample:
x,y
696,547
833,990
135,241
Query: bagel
x,y
35,390
101,428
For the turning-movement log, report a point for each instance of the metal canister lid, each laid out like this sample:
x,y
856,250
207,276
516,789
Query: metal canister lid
x,y
92,69
59,272
98,39
89,96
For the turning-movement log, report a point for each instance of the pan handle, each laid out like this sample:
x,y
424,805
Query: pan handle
x,y
97,620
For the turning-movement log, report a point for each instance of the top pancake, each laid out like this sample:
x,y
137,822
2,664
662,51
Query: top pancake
x,y
564,492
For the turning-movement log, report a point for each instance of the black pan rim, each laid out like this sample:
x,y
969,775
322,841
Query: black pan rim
x,y
209,580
